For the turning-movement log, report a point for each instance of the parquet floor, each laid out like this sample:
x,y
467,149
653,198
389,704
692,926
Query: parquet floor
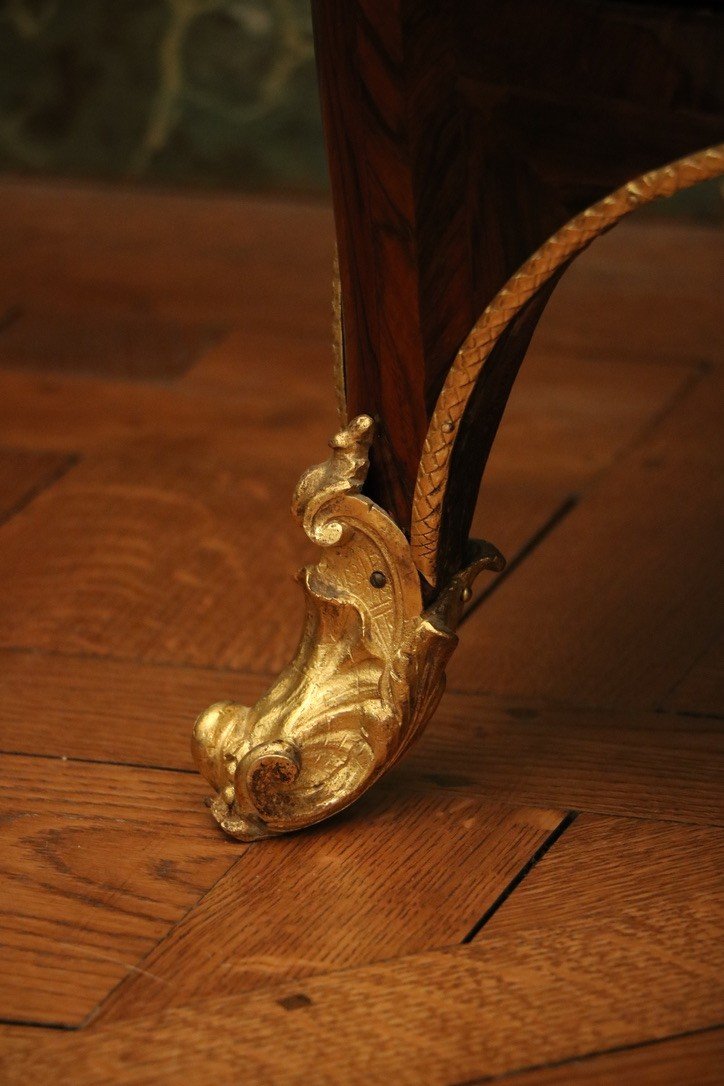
x,y
535,893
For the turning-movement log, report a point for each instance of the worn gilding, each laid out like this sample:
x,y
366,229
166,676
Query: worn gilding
x,y
368,673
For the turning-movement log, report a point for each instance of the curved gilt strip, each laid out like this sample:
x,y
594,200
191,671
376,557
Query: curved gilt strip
x,y
338,343
432,477
368,673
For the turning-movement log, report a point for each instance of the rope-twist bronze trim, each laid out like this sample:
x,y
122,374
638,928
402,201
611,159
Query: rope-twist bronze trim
x,y
433,473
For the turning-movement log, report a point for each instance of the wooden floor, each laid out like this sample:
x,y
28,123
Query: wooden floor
x,y
535,892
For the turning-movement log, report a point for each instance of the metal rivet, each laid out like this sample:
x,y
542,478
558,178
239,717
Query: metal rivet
x,y
466,594
378,579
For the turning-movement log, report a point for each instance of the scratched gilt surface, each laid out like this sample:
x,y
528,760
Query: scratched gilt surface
x,y
533,892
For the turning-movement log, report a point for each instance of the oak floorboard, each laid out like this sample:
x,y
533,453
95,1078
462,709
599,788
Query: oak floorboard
x,y
613,940
99,709
266,264
73,413
401,873
223,260
153,578
177,546
17,1042
620,600
696,1058
565,424
161,551
701,690
604,866
649,291
129,345
647,765
275,366
566,420
98,862
25,473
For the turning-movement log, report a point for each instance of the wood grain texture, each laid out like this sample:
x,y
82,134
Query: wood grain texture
x,y
274,370
127,345
24,473
500,1004
284,414
649,765
694,1058
160,551
458,142
187,491
109,710
146,576
645,291
375,884
260,264
97,863
19,1042
650,533
566,423
632,862
701,689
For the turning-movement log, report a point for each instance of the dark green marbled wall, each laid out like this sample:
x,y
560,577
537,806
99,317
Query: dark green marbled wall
x,y
204,92
217,92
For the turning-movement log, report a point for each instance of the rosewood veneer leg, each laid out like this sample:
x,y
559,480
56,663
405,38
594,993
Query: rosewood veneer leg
x,y
437,221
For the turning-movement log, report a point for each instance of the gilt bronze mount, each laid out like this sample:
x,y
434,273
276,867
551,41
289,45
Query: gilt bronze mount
x,y
368,673
380,622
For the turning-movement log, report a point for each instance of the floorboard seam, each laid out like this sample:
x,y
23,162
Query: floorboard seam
x,y
538,702
689,714
46,483
74,759
420,785
515,882
29,1023
120,658
96,1012
95,1017
528,547
649,1043
699,371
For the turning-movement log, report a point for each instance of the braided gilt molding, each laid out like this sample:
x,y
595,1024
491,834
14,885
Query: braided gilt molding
x,y
340,392
370,666
433,473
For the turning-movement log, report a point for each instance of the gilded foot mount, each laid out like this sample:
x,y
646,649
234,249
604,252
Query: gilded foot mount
x,y
368,673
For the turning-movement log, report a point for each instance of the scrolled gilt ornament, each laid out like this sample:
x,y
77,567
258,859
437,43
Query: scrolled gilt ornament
x,y
368,673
